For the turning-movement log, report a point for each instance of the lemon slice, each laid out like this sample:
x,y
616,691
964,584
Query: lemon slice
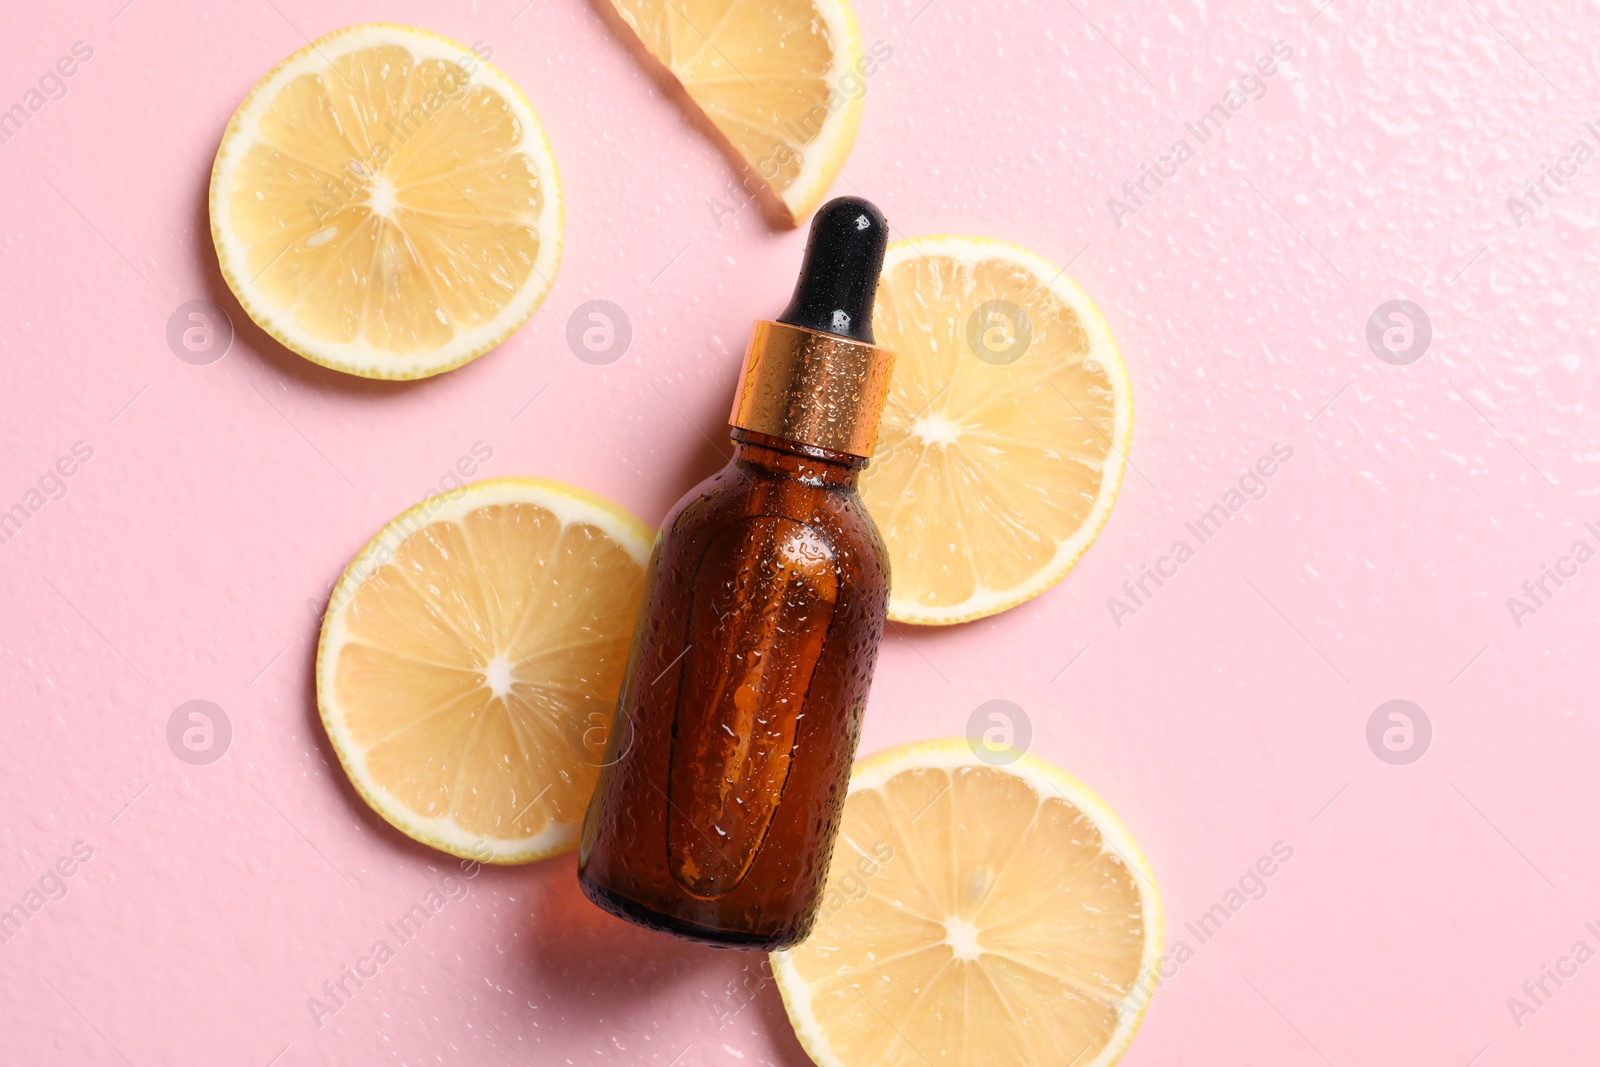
x,y
470,661
1006,429
974,914
385,203
782,80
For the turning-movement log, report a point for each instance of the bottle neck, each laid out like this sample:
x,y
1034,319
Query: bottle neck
x,y
791,459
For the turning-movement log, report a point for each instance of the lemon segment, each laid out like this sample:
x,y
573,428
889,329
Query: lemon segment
x,y
1006,430
385,203
470,661
782,80
975,914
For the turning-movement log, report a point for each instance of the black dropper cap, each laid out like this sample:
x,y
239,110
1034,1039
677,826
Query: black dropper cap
x,y
839,277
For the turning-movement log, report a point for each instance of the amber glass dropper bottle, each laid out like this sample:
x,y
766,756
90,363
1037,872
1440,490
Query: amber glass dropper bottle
x,y
731,747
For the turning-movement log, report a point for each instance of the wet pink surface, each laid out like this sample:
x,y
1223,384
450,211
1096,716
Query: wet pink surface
x,y
1227,713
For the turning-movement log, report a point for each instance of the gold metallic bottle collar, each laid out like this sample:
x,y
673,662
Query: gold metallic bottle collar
x,y
812,387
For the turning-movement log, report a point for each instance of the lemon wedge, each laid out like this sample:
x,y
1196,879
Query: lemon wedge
x,y
782,80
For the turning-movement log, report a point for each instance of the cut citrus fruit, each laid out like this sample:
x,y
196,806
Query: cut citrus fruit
x,y
385,203
470,661
782,80
1006,430
974,914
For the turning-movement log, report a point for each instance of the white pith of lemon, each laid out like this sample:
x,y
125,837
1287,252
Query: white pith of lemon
x,y
384,202
1006,431
470,661
782,80
975,914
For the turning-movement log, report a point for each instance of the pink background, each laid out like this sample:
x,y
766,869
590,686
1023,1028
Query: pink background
x,y
1229,713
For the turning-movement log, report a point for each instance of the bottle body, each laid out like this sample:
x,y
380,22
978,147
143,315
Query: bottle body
x,y
730,751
